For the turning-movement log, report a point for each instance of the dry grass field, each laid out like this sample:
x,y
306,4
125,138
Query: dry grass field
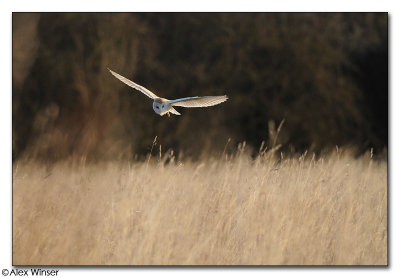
x,y
231,211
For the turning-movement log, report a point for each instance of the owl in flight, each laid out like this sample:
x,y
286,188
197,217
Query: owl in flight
x,y
164,106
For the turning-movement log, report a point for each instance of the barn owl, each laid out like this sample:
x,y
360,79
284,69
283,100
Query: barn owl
x,y
164,106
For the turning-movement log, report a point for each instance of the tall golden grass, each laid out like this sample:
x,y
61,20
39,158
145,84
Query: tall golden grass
x,y
236,210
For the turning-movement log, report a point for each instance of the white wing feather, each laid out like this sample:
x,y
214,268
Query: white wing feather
x,y
204,101
134,85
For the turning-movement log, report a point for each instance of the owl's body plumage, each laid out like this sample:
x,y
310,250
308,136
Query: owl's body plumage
x,y
164,106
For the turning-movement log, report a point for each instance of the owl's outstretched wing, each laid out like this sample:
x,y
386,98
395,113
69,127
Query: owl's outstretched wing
x,y
134,85
198,101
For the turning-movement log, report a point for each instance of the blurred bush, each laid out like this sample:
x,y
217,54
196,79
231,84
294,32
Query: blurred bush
x,y
326,74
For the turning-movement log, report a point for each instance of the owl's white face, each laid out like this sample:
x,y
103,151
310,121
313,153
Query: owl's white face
x,y
160,107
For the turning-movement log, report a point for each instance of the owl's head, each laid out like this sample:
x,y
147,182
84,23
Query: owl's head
x,y
160,107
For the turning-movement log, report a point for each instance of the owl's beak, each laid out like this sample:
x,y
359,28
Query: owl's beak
x,y
168,114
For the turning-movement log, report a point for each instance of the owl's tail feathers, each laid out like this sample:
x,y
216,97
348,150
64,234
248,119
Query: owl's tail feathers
x,y
173,111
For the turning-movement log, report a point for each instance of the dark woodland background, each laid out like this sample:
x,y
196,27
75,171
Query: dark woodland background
x,y
326,74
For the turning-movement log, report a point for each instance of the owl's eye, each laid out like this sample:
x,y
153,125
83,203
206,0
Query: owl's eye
x,y
158,107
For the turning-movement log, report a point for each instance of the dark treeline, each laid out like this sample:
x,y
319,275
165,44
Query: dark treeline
x,y
326,74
